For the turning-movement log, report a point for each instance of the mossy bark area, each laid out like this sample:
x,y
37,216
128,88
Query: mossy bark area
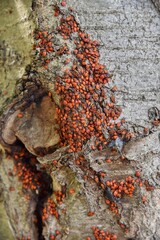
x,y
16,40
5,231
124,30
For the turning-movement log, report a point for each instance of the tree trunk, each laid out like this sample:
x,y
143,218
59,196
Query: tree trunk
x,y
70,164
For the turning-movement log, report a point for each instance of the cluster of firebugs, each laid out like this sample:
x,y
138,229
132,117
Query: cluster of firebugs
x,y
86,110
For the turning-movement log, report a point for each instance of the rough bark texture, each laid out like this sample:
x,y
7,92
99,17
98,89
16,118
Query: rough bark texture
x,y
129,46
157,4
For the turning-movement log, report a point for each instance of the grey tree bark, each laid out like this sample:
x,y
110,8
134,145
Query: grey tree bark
x,y
128,32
